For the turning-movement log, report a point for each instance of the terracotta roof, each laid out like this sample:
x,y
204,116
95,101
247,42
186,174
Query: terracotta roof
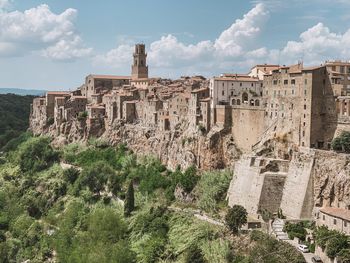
x,y
199,90
239,79
57,93
337,63
110,77
336,212
312,68
140,79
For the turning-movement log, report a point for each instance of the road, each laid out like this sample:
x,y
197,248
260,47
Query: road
x,y
277,227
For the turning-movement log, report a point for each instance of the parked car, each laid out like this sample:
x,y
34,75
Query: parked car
x,y
303,248
316,259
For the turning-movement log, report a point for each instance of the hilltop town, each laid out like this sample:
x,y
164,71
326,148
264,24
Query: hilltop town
x,y
273,126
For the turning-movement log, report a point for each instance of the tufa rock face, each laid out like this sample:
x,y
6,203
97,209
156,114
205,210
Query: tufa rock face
x,y
180,147
331,175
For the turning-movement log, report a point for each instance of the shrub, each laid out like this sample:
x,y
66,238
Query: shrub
x,y
236,217
212,188
295,230
36,154
342,142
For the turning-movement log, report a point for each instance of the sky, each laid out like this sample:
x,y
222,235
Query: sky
x,y
54,44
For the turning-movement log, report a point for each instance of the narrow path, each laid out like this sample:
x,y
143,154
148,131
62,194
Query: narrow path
x,y
198,214
277,228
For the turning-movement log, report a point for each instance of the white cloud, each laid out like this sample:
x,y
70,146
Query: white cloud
x,y
316,45
169,52
4,4
40,29
237,47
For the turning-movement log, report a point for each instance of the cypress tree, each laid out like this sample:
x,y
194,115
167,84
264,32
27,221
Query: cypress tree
x,y
129,205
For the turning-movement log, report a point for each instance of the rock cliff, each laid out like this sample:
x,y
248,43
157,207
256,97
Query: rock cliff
x,y
181,146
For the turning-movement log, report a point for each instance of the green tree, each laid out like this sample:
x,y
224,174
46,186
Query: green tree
x,y
194,255
336,244
96,177
236,217
342,142
36,154
129,205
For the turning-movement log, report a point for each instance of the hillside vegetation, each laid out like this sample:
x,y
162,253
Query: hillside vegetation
x,y
14,116
76,214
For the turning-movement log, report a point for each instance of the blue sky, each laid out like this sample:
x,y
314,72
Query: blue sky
x,y
55,44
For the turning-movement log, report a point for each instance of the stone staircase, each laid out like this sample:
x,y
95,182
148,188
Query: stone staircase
x,y
277,227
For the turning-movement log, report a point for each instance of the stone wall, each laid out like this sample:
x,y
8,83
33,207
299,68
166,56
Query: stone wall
x,y
247,126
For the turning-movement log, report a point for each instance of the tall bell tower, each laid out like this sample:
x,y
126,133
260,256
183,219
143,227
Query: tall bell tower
x,y
139,69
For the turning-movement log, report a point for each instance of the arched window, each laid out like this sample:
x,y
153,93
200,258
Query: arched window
x,y
244,97
251,102
238,102
233,102
257,103
141,62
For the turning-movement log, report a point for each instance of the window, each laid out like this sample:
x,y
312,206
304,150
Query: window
x,y
304,107
292,91
303,133
275,82
293,81
240,84
334,221
231,92
305,81
345,223
223,93
342,69
304,124
252,85
223,84
285,82
324,217
305,92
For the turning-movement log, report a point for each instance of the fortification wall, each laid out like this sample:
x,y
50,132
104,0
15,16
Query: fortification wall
x,y
247,126
246,186
297,199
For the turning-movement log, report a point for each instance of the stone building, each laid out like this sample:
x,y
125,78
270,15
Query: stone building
x,y
198,111
299,103
139,69
50,101
335,219
233,89
259,71
98,84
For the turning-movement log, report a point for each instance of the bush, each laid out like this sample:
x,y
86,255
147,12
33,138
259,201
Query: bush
x,y
295,230
342,142
36,154
96,178
236,217
212,188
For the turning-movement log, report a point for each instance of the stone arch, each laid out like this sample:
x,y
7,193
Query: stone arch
x,y
238,102
233,102
244,97
257,103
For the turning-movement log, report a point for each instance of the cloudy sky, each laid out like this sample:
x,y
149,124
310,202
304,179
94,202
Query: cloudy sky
x,y
53,45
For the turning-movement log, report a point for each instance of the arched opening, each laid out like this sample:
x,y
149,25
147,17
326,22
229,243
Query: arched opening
x,y
238,102
245,97
233,102
257,103
251,102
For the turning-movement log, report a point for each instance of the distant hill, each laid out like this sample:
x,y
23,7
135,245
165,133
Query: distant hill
x,y
23,91
14,116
